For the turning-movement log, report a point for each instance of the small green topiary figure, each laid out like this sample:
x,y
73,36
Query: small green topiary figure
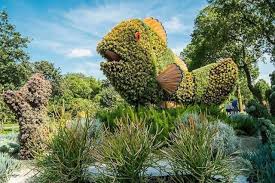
x,y
29,105
143,70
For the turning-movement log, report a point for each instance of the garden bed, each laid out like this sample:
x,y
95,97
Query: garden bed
x,y
161,171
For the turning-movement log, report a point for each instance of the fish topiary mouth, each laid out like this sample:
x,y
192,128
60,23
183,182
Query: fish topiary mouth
x,y
111,56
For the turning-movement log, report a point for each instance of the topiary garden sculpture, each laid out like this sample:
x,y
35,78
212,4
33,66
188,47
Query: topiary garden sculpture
x,y
29,104
143,70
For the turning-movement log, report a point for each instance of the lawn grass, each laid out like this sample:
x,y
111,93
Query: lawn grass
x,y
9,128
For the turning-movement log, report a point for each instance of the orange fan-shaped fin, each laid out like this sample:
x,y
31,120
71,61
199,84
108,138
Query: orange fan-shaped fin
x,y
157,27
170,78
180,63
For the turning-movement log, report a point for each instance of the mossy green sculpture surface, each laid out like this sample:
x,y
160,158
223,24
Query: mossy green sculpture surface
x,y
137,54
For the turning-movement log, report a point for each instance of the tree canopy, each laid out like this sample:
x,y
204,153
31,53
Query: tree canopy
x,y
14,66
51,73
240,29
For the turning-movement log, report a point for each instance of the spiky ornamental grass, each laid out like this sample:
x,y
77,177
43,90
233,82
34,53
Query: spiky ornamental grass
x,y
68,155
127,152
192,157
7,166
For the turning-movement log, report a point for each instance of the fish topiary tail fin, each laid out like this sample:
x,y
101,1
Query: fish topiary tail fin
x,y
214,82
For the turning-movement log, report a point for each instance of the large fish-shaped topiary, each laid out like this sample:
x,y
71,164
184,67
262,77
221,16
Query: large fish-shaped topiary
x,y
143,70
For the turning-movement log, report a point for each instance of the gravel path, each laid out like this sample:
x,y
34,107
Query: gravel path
x,y
23,175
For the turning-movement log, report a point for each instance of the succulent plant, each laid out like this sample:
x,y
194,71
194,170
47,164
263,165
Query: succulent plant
x,y
7,166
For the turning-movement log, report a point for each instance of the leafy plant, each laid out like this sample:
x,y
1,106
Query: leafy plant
x,y
15,67
127,152
109,98
68,155
243,123
158,119
192,156
12,148
225,138
8,144
263,169
7,166
212,112
256,110
261,88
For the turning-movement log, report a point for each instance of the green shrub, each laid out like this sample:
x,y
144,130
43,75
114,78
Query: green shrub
x,y
256,110
225,138
190,115
109,98
9,145
267,129
192,155
243,123
261,88
69,154
212,112
158,119
13,148
127,152
7,166
263,168
6,115
72,106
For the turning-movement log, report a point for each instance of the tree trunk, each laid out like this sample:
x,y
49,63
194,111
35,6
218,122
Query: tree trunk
x,y
239,95
250,85
249,79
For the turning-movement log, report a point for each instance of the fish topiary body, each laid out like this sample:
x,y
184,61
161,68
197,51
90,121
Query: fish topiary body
x,y
144,70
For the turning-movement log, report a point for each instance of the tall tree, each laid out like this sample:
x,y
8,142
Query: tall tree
x,y
262,87
51,73
240,29
14,66
78,85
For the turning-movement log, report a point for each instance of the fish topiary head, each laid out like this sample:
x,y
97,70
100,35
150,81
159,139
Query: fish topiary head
x,y
132,49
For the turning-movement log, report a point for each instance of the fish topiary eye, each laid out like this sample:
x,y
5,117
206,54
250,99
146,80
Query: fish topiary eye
x,y
137,36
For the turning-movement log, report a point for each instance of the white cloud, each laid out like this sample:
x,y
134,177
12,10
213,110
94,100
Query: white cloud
x,y
79,52
174,25
265,70
89,68
94,20
177,50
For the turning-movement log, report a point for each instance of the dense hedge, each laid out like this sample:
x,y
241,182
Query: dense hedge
x,y
134,75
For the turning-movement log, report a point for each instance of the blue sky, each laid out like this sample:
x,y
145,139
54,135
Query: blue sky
x,y
66,32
